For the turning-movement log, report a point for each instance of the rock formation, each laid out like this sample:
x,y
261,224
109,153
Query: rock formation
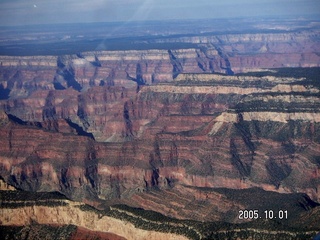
x,y
143,127
37,215
46,213
235,132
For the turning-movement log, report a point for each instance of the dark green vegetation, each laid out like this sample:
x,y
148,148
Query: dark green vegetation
x,y
150,220
17,199
59,39
36,231
297,72
75,46
278,131
153,221
264,84
256,105
311,74
256,198
30,196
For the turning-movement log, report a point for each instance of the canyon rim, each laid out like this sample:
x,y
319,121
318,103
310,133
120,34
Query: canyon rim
x,y
166,136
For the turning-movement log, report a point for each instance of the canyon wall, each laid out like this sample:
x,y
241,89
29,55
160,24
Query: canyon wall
x,y
52,213
221,53
113,142
129,126
31,215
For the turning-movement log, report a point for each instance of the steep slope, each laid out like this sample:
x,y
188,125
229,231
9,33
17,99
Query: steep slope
x,y
227,53
247,132
169,131
32,215
51,214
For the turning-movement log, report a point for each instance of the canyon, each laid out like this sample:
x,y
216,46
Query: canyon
x,y
231,123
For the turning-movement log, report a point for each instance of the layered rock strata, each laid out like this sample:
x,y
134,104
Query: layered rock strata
x,y
33,215
228,53
118,125
61,212
248,132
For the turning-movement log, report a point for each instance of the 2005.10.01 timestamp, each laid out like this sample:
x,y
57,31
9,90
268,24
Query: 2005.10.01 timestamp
x,y
267,214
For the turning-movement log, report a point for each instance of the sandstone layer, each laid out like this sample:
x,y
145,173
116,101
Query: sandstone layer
x,y
62,212
222,53
113,142
50,215
138,126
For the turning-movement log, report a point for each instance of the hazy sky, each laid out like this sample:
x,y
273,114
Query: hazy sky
x,y
22,12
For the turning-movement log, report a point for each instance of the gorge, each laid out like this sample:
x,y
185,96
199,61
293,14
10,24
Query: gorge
x,y
230,123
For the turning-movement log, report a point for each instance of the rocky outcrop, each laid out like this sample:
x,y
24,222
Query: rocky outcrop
x,y
132,126
5,187
61,212
45,231
249,132
73,215
29,215
234,53
228,53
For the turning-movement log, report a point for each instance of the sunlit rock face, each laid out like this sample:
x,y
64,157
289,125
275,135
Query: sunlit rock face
x,y
51,215
117,125
234,53
222,53
113,142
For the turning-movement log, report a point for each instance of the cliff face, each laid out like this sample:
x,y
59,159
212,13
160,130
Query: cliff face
x,y
45,214
31,215
228,53
234,53
113,142
73,215
118,125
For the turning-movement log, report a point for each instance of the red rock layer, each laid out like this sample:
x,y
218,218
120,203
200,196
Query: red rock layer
x,y
85,234
104,125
